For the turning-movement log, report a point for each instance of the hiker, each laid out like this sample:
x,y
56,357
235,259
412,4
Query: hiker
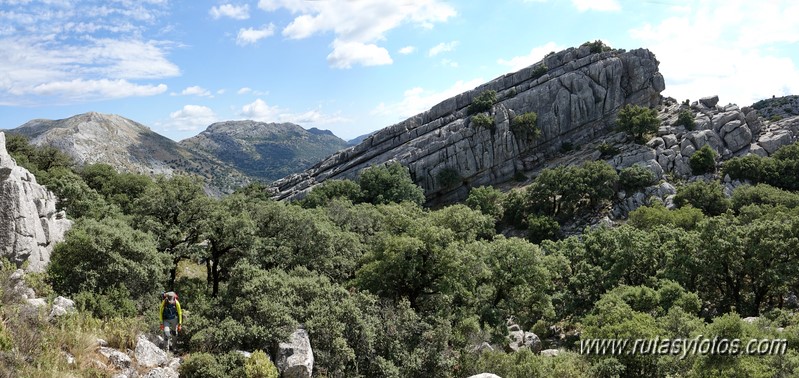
x,y
171,314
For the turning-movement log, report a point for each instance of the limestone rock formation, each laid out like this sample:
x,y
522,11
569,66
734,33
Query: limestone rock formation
x,y
149,354
576,94
30,226
295,358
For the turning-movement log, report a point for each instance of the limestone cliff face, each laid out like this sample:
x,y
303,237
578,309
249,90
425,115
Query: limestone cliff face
x,y
576,100
29,223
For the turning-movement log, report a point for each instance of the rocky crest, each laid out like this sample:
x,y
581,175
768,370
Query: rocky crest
x,y
264,151
29,224
576,94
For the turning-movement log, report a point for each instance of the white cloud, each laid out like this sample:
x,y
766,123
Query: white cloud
x,y
442,47
709,49
259,110
407,50
250,36
80,89
417,100
345,54
357,25
248,90
236,12
191,118
77,51
244,90
536,54
196,91
597,5
221,91
449,63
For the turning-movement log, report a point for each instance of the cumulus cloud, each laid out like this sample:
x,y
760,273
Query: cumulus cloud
x,y
418,99
259,110
597,5
345,54
250,36
407,50
726,60
357,25
196,91
535,55
442,48
236,12
77,51
191,118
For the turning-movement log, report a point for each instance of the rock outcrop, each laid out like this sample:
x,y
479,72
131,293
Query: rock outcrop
x,y
294,359
29,224
575,93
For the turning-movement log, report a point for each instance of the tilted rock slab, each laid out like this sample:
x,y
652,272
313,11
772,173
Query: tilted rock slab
x,y
576,100
295,358
29,224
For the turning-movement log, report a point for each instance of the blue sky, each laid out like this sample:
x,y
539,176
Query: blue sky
x,y
357,66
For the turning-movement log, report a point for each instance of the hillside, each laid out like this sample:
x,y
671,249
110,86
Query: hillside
x,y
264,151
575,93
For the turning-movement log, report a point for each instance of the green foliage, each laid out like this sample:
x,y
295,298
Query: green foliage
x,y
38,160
542,227
106,303
703,161
566,147
483,120
637,121
607,149
525,125
98,255
206,365
448,178
483,102
538,71
389,183
260,366
775,118
636,177
686,217
323,193
762,194
778,170
686,119
488,200
598,46
565,191
121,189
468,224
707,196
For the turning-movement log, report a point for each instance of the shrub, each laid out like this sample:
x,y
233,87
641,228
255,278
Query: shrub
x,y
448,178
483,120
636,177
637,121
597,46
321,194
542,227
526,125
389,183
483,102
539,70
703,161
707,196
566,147
775,118
487,200
763,194
110,302
260,366
607,149
686,118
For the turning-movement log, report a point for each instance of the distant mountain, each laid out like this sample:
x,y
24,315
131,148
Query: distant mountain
x,y
128,146
359,139
264,151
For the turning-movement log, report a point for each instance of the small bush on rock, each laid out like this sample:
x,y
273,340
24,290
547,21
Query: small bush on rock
x,y
686,119
703,161
483,102
636,177
483,120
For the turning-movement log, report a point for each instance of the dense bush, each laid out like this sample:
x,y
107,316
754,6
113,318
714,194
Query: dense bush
x,y
389,183
448,178
637,121
597,46
483,120
778,170
686,119
607,149
542,227
538,71
762,194
486,199
707,196
703,161
323,193
636,177
483,102
525,125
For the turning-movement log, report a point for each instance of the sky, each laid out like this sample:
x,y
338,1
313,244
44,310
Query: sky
x,y
357,66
